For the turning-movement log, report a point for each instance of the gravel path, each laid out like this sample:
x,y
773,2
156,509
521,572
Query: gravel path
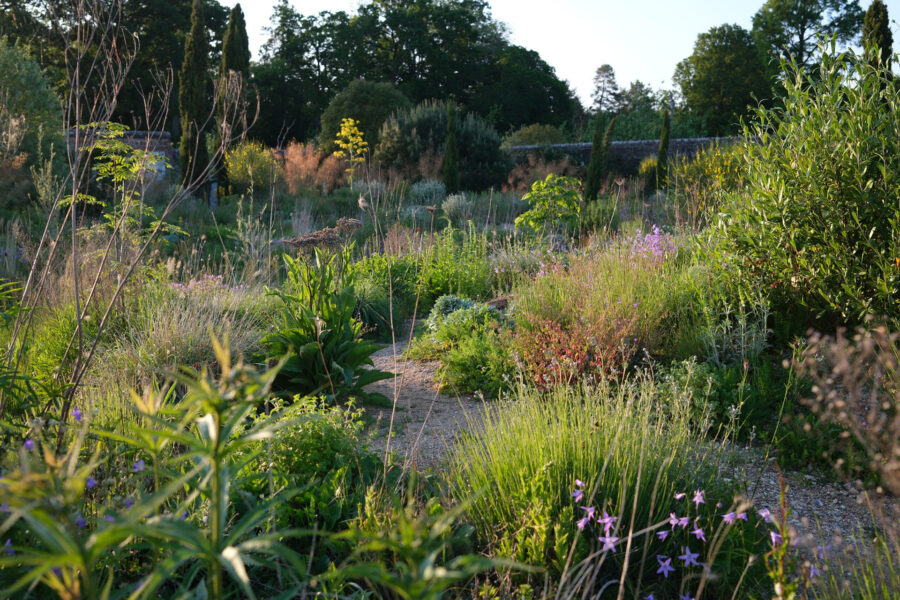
x,y
823,512
425,421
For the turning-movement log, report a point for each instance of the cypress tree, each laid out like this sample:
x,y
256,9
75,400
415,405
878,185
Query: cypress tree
x,y
450,169
193,97
662,154
236,59
235,45
876,34
597,165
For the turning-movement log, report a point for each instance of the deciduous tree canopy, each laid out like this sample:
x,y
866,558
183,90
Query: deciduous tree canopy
x,y
723,76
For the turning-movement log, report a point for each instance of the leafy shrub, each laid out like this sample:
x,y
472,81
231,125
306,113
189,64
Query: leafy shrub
x,y
321,339
744,401
457,207
443,307
30,112
816,224
472,344
554,205
426,192
409,135
479,363
449,330
320,452
534,135
369,103
520,467
250,165
456,263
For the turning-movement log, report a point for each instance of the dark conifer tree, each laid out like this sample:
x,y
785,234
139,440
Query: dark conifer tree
x,y
450,170
193,97
876,34
236,60
662,154
597,165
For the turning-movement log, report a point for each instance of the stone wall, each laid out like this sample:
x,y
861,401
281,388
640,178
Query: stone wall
x,y
159,142
624,156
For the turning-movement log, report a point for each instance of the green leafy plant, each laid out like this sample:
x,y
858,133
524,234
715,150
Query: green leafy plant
x,y
187,454
409,552
321,453
554,205
321,337
820,235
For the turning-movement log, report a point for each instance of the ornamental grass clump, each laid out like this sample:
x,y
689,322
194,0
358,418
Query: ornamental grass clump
x,y
628,520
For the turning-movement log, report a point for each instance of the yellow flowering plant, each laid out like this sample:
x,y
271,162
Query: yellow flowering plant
x,y
352,145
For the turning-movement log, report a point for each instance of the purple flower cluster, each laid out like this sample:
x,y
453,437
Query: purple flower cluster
x,y
689,529
653,246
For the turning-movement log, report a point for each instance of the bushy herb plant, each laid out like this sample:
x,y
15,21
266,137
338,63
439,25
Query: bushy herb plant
x,y
321,338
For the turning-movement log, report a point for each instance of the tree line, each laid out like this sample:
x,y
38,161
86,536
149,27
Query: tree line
x,y
419,50
732,69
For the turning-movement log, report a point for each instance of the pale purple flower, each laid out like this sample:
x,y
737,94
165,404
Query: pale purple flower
x,y
4,508
776,538
684,522
688,557
765,514
7,547
582,523
590,510
813,571
138,466
76,414
665,566
729,518
29,444
662,535
91,482
577,495
109,518
607,522
698,532
579,483
650,597
685,597
127,503
673,520
80,521
742,516
609,543
680,495
698,498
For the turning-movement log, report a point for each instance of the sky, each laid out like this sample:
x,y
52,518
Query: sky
x,y
641,39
